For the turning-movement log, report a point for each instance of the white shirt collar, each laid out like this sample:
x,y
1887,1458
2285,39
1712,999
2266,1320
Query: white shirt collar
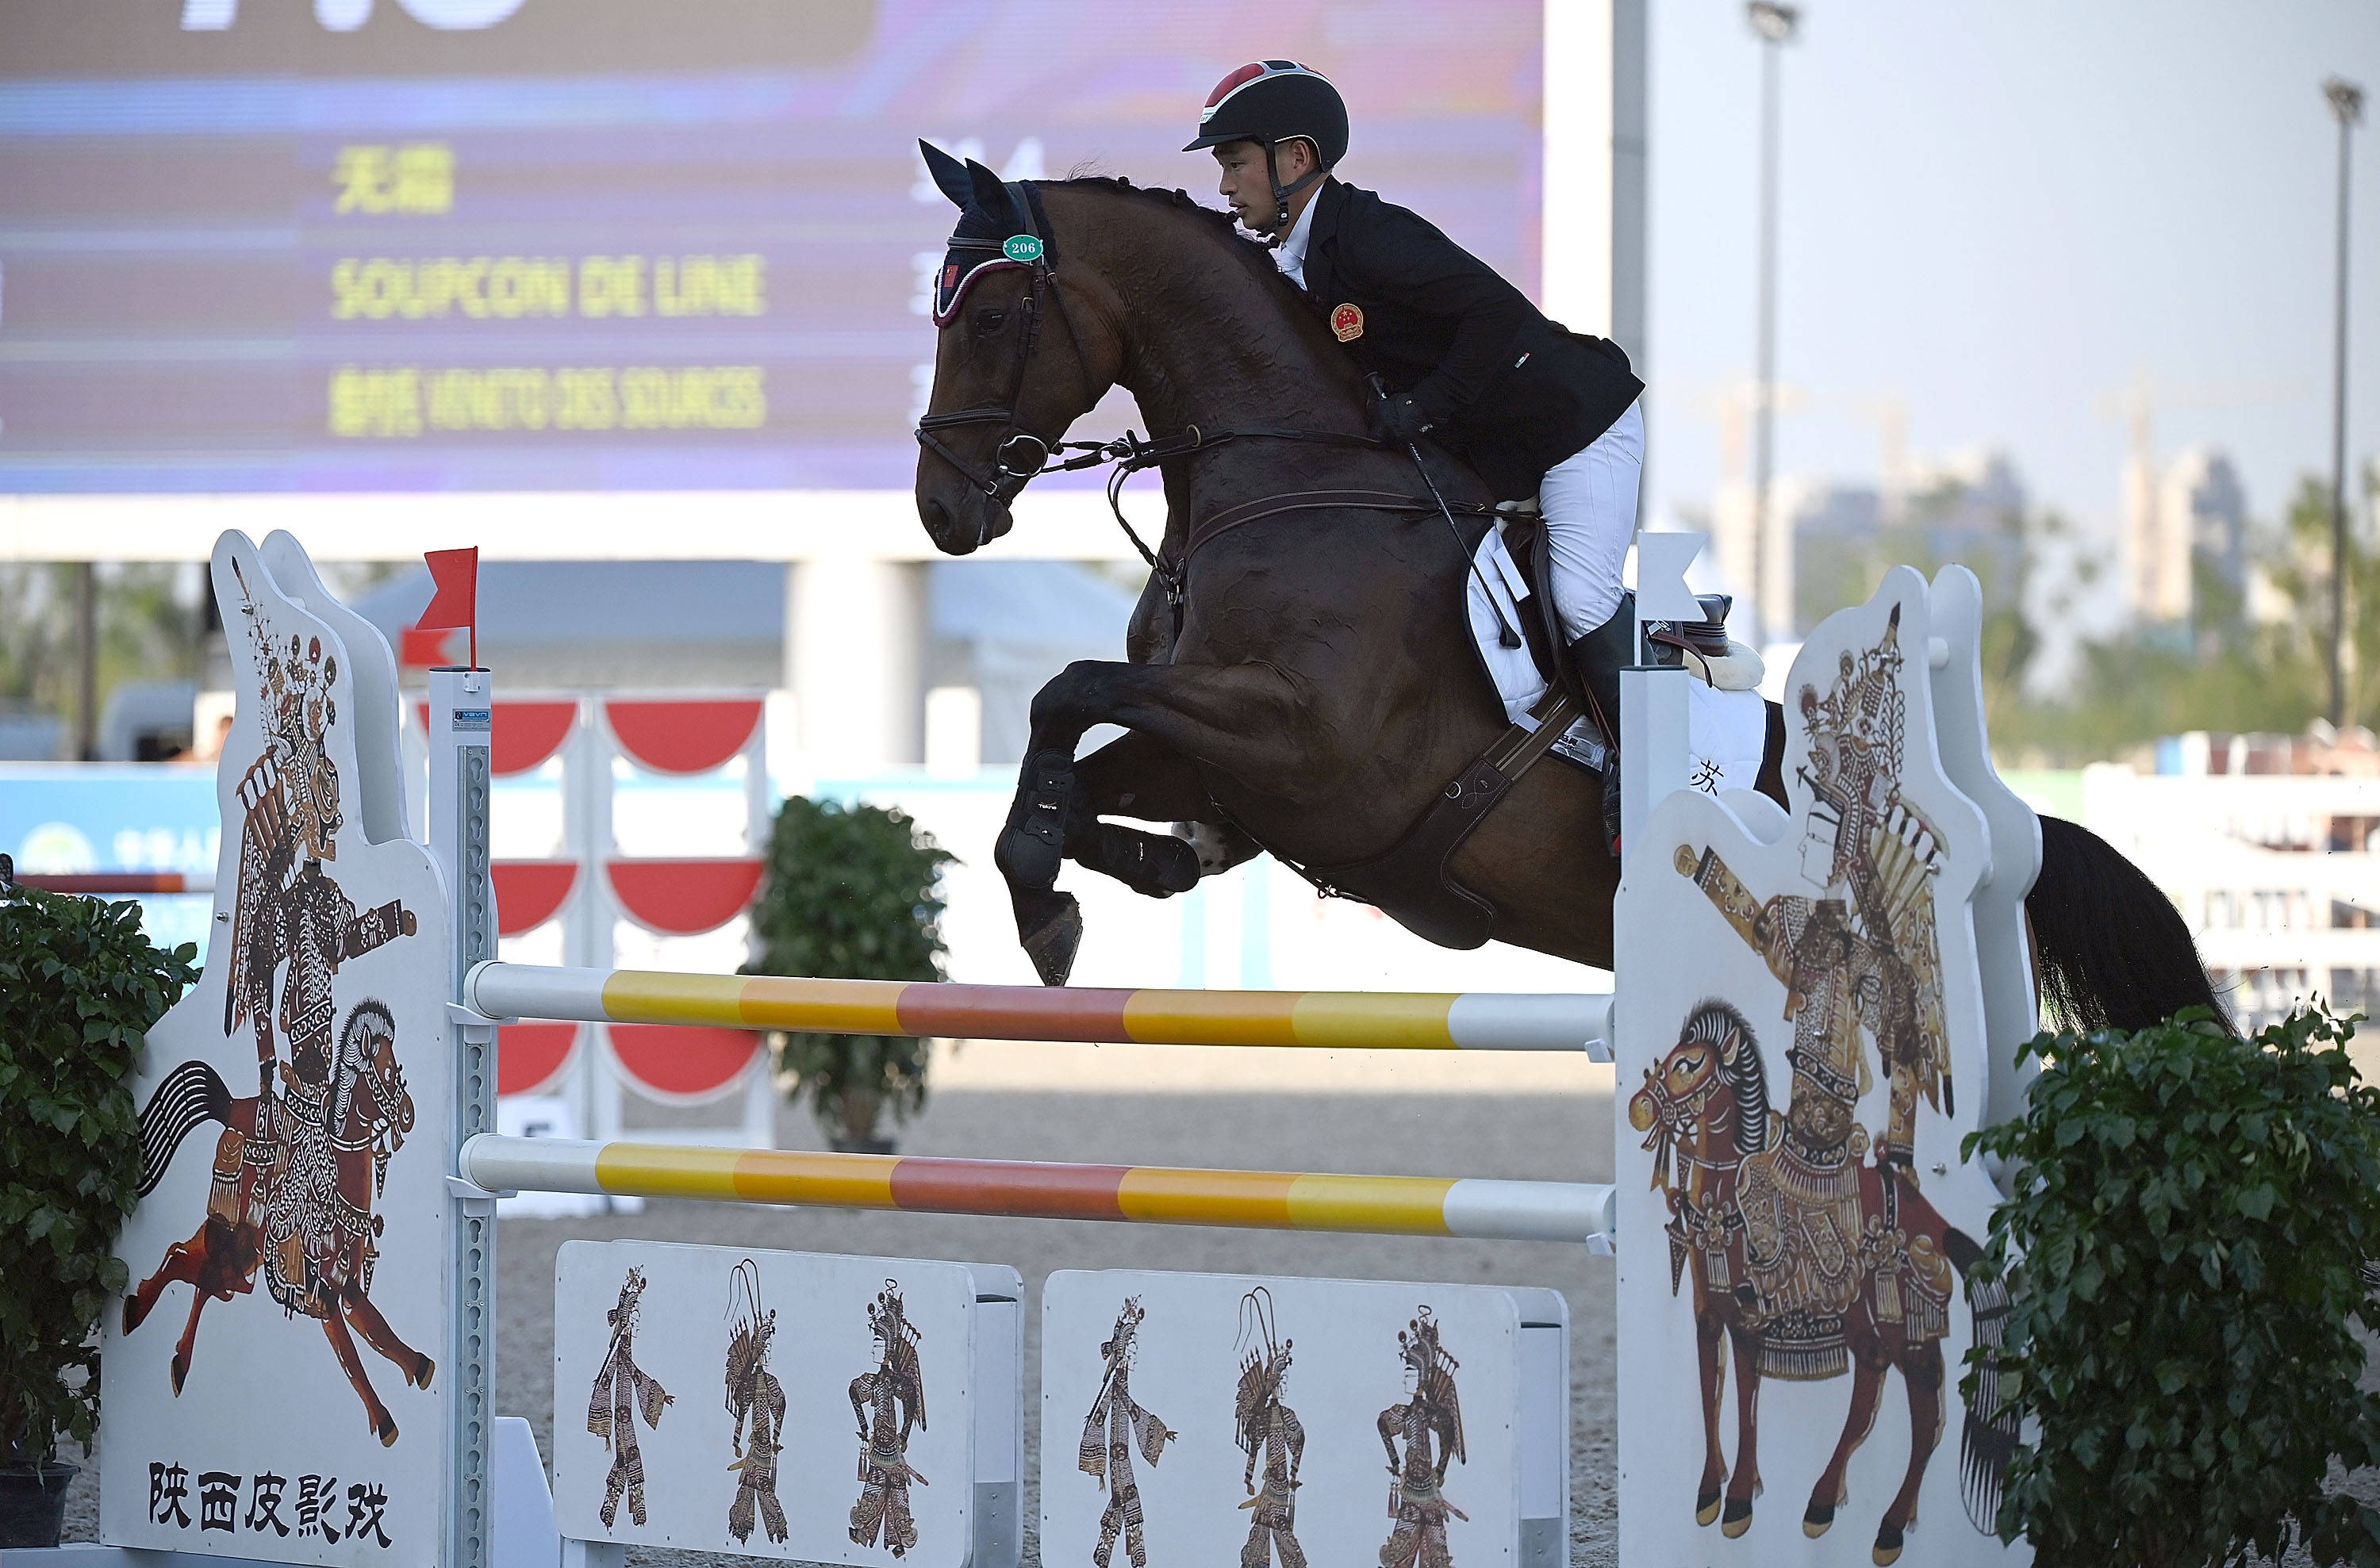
x,y
1289,255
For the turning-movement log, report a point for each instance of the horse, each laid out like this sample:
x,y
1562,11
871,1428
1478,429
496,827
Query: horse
x,y
1299,675
296,1200
1706,1113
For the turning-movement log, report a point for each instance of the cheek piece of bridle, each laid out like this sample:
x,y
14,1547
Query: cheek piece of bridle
x,y
1021,455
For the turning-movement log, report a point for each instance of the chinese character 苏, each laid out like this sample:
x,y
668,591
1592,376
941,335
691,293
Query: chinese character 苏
x,y
317,1496
168,1485
415,178
366,1505
1708,777
264,1503
218,1501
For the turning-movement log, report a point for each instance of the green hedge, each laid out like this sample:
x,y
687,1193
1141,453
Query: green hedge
x,y
2186,1254
80,986
851,893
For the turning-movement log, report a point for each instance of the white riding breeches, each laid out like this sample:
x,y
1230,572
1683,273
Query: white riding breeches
x,y
1589,502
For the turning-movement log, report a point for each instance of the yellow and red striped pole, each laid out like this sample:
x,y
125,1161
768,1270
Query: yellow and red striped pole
x,y
1471,1020
1482,1209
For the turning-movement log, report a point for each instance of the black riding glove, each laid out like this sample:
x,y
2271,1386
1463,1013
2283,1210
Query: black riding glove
x,y
1399,419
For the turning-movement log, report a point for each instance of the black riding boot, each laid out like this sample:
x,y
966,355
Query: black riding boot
x,y
1595,660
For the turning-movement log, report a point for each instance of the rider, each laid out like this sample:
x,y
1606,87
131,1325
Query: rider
x,y
1536,409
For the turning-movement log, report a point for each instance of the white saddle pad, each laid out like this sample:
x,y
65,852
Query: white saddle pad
x,y
1726,729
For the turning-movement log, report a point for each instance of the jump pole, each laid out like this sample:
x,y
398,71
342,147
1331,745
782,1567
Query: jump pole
x,y
1318,1019
1373,1206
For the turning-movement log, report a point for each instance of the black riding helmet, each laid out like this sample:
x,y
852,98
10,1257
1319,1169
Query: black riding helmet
x,y
1271,102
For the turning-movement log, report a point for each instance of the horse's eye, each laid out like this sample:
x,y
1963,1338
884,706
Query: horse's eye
x,y
987,322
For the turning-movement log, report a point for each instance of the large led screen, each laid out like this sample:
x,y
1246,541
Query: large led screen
x,y
568,245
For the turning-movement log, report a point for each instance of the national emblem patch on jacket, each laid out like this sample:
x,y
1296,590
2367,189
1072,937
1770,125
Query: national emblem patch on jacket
x,y
1347,322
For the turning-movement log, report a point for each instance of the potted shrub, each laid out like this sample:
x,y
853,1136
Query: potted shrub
x,y
2186,1258
79,987
850,893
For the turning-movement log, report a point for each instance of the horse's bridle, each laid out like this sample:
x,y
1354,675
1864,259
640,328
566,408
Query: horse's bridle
x,y
1010,471
1022,456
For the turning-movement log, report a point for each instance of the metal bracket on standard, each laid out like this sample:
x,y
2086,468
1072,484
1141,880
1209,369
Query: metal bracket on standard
x,y
475,1198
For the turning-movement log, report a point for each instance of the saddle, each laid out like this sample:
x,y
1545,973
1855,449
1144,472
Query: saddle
x,y
1413,881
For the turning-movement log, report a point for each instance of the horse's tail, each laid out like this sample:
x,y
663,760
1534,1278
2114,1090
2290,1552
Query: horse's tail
x,y
2112,950
1987,1437
191,1094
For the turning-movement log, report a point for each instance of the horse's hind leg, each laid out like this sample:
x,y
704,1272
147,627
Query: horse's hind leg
x,y
1868,1367
368,1322
343,1344
1920,1369
183,1263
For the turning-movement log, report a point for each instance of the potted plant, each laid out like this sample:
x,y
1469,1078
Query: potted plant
x,y
2186,1256
850,893
79,987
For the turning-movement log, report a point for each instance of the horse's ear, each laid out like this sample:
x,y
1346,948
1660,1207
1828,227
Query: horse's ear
x,y
949,174
989,193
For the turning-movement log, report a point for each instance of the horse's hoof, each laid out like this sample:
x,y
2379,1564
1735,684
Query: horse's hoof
x,y
1706,1507
425,1371
1735,1518
1820,1517
1888,1546
132,1313
1052,943
385,1430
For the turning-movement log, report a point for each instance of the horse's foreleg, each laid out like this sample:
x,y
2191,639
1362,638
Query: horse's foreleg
x,y
1710,1361
1920,1369
1743,1486
368,1322
1868,1367
1233,718
343,1344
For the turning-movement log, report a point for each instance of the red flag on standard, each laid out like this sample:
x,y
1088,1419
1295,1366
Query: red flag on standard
x,y
455,574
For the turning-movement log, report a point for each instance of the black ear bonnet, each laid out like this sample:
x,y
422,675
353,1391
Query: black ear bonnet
x,y
1000,225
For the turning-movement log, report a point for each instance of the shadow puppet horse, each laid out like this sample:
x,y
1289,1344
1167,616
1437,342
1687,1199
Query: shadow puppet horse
x,y
1300,678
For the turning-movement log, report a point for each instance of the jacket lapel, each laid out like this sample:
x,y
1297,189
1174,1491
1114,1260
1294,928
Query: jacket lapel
x,y
1321,242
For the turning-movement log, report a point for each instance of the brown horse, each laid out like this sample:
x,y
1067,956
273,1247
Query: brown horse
x,y
1705,1109
297,1201
1301,681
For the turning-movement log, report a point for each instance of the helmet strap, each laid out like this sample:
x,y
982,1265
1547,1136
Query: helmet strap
x,y
1282,193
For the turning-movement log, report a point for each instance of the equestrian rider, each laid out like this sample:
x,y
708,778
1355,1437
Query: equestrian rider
x,y
1536,409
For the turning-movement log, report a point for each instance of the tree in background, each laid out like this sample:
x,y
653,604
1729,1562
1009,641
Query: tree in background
x,y
850,893
2225,669
149,627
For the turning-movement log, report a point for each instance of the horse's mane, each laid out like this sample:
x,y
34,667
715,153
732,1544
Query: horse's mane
x,y
1256,258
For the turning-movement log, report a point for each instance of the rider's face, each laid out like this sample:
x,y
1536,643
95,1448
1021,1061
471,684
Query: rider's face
x,y
1247,189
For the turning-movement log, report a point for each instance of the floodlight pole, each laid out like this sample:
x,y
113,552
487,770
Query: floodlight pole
x,y
2346,103
1775,22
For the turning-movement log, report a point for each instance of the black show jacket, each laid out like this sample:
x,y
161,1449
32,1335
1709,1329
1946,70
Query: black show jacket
x,y
1507,391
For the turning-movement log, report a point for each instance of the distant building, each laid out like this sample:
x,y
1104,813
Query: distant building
x,y
2205,509
2185,533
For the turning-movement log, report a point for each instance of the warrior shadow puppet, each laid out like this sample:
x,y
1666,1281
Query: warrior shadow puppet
x,y
298,1165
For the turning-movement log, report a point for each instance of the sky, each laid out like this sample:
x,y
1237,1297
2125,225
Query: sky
x,y
2004,213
